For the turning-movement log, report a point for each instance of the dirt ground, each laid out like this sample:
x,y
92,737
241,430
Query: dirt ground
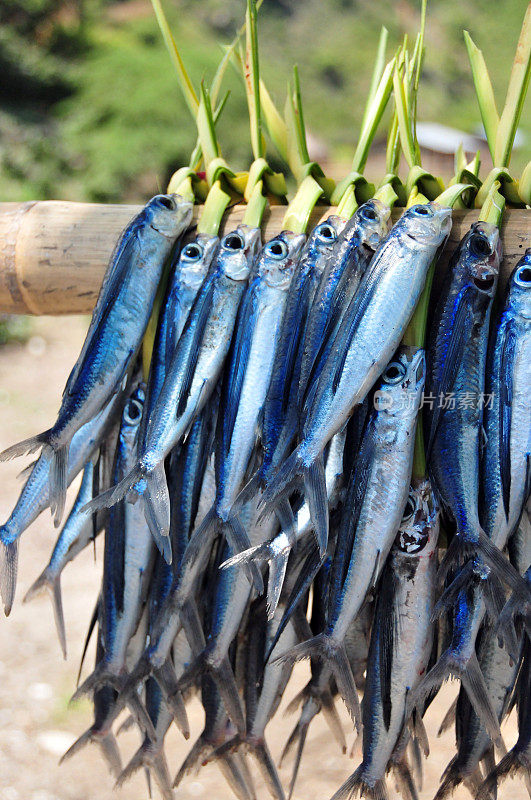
x,y
36,723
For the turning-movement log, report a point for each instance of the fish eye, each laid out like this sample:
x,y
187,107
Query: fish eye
x,y
368,212
192,252
133,412
484,283
326,233
421,211
480,245
394,373
232,241
167,202
277,249
523,277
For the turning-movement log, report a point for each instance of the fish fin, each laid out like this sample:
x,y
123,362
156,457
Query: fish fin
x,y
151,758
452,777
416,756
448,719
261,553
331,716
8,573
27,446
277,572
357,785
236,536
449,597
127,725
317,497
281,484
462,322
111,496
200,542
48,582
24,474
167,680
157,510
107,745
420,733
514,763
58,480
473,683
386,623
335,657
193,628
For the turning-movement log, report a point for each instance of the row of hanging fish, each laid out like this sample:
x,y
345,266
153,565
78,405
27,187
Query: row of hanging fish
x,y
258,504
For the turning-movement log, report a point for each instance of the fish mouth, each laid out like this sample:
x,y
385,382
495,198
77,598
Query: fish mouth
x,y
484,283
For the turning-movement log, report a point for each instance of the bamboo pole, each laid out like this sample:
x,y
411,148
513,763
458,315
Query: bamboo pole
x,y
53,254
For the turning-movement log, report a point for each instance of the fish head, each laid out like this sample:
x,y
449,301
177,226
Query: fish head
x,y
132,412
372,222
169,214
428,224
481,256
279,257
238,250
196,257
419,528
400,391
520,287
324,235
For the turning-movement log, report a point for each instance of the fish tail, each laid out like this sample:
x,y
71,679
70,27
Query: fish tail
x,y
50,582
502,567
167,680
317,497
267,768
194,760
469,672
107,744
260,554
223,676
113,495
404,779
452,777
513,763
448,719
281,484
356,786
200,542
26,446
277,572
334,656
286,518
58,482
234,769
157,510
153,759
8,573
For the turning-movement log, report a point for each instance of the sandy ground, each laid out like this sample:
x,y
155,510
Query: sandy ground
x,y
36,722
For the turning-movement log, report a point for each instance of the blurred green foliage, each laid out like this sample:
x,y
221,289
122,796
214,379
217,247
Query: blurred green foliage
x,y
90,107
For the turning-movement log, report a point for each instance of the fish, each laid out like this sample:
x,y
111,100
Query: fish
x,y
352,252
35,497
119,321
375,501
457,351
127,562
506,461
280,416
246,382
191,378
369,333
400,647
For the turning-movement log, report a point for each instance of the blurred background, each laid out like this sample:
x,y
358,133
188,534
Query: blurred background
x,y
90,108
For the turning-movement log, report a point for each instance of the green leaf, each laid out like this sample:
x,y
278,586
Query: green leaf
x,y
256,205
299,210
252,81
186,85
516,92
374,113
493,207
213,210
484,93
276,126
